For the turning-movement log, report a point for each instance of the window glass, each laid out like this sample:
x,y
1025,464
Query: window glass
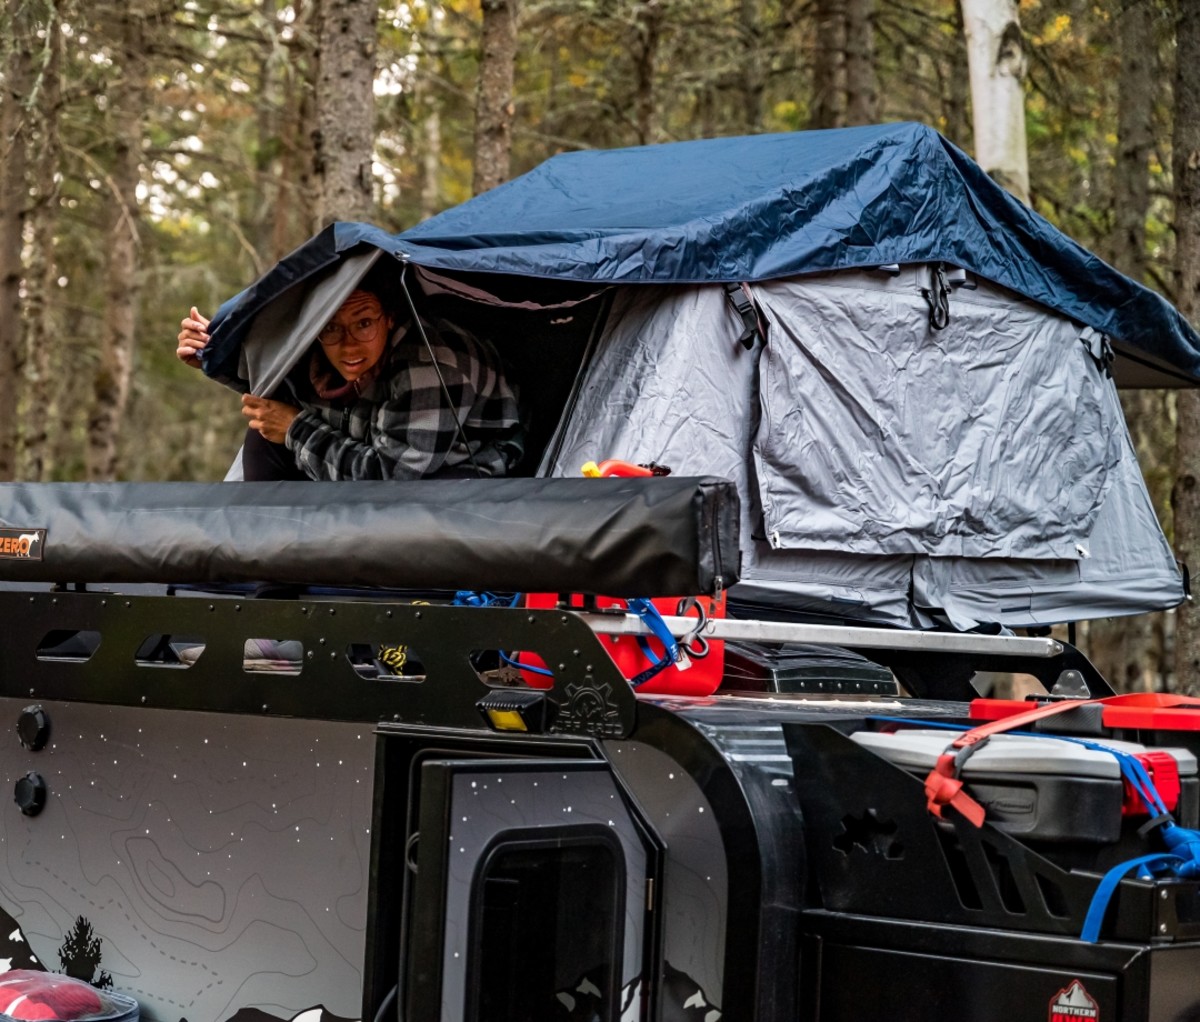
x,y
546,933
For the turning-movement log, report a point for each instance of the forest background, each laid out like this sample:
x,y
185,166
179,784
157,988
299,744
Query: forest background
x,y
157,155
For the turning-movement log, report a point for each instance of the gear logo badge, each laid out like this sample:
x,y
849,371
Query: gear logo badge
x,y
590,710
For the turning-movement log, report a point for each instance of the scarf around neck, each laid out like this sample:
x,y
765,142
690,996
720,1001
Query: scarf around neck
x,y
331,386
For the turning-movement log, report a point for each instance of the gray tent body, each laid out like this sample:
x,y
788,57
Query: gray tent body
x,y
889,472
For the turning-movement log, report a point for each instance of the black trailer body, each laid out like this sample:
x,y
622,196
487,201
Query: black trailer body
x,y
237,843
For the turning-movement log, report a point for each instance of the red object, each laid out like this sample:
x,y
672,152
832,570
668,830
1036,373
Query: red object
x,y
626,469
701,679
623,469
1155,711
1164,775
943,788
32,995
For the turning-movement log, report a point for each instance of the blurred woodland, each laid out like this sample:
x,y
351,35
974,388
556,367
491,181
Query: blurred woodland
x,y
159,155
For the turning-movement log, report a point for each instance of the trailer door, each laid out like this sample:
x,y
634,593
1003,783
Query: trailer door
x,y
530,891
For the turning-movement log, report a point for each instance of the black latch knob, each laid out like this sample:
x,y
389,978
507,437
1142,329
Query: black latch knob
x,y
30,794
33,728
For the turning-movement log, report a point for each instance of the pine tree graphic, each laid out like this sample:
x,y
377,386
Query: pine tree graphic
x,y
80,955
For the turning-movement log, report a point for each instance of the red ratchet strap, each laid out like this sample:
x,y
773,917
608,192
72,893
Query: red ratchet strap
x,y
1155,711
943,786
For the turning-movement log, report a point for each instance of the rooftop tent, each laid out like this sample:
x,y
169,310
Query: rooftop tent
x,y
929,433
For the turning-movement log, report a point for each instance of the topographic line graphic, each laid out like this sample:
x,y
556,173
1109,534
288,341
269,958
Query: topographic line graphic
x,y
222,862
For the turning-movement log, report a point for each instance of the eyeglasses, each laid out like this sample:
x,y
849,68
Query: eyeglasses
x,y
332,334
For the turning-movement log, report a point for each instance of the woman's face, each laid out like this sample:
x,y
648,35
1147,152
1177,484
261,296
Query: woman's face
x,y
355,339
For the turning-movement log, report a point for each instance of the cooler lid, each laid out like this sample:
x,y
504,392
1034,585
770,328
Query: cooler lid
x,y
918,749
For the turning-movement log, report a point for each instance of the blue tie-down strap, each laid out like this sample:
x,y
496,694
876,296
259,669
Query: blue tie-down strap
x,y
1181,859
1146,865
470,598
674,654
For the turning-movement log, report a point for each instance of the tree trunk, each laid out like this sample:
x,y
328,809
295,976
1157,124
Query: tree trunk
x,y
44,359
648,30
345,110
268,197
1134,31
1186,168
951,79
1125,650
829,66
996,56
494,95
431,162
295,215
14,196
110,386
754,66
862,89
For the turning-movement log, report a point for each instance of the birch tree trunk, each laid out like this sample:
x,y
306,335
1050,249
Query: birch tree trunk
x,y
45,356
996,58
1186,167
110,385
14,197
345,110
494,95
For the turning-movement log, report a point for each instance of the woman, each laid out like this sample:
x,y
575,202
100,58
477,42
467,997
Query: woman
x,y
373,401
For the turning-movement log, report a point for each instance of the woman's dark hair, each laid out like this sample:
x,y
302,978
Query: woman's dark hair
x,y
383,281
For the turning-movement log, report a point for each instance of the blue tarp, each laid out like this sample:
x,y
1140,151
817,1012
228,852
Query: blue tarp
x,y
750,209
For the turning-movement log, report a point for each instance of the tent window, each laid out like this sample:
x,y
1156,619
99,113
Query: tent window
x,y
546,931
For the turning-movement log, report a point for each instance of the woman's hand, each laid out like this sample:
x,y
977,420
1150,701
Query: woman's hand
x,y
193,336
270,418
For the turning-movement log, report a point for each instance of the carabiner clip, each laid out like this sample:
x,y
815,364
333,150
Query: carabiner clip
x,y
694,642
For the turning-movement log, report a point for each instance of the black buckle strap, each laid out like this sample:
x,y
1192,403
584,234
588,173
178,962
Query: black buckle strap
x,y
1100,349
753,323
938,297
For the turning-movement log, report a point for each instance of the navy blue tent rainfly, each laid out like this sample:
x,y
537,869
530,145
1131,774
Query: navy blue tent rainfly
x,y
752,209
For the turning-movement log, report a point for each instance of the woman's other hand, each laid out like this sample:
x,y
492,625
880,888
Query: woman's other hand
x,y
270,418
193,336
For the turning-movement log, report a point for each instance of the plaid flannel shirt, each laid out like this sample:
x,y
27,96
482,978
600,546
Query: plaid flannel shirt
x,y
401,426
